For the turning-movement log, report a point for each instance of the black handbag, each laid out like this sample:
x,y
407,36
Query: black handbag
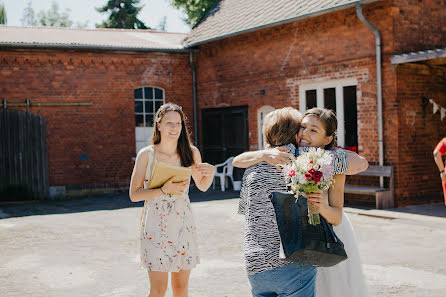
x,y
302,242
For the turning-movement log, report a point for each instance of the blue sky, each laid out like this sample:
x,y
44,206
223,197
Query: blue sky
x,y
84,10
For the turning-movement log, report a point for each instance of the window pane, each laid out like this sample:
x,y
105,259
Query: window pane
x,y
138,93
330,99
148,93
138,106
139,120
350,117
149,120
159,94
149,106
310,96
158,104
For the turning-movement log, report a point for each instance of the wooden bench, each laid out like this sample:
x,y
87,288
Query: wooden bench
x,y
383,196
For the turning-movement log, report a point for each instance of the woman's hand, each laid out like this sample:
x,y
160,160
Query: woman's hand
x,y
277,157
171,187
317,199
205,169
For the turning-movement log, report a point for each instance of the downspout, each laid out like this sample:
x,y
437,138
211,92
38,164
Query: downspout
x,y
379,86
194,92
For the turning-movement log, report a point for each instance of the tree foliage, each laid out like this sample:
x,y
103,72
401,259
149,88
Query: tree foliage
x,y
123,14
52,17
195,9
3,18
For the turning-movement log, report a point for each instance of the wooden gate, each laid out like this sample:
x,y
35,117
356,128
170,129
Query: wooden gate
x,y
23,153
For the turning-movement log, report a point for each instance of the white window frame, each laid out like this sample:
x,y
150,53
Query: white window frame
x,y
144,113
143,134
338,85
261,113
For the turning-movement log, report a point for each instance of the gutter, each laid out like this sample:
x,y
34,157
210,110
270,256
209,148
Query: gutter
x,y
378,85
24,45
194,91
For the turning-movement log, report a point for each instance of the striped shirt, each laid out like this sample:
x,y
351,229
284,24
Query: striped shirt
x,y
262,240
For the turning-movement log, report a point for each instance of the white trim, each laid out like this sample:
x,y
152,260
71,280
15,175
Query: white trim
x,y
261,113
319,86
143,135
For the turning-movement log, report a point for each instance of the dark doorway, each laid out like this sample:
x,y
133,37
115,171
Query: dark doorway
x,y
350,118
225,134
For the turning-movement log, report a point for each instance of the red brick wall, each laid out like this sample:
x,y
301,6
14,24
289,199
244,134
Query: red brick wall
x,y
419,25
105,130
420,131
278,59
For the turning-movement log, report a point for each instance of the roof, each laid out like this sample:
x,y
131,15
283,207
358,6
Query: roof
x,y
419,56
105,39
233,17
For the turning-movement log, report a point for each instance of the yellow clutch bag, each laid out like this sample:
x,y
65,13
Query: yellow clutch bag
x,y
162,172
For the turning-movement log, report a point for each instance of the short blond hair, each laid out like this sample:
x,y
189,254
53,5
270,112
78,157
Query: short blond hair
x,y
281,126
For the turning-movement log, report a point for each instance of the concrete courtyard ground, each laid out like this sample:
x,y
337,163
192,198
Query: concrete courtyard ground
x,y
87,247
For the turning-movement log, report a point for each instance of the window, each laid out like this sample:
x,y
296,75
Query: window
x,y
339,96
147,102
261,113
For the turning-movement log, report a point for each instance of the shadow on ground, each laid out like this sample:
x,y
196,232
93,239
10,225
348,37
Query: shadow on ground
x,y
94,203
435,209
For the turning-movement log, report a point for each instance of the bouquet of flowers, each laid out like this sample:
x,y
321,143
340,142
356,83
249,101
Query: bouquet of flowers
x,y
310,172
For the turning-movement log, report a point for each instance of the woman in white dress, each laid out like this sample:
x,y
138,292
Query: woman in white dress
x,y
345,279
318,129
168,241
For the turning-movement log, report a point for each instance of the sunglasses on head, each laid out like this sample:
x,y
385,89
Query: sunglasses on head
x,y
171,107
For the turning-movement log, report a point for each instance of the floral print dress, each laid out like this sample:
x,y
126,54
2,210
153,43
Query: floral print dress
x,y
168,240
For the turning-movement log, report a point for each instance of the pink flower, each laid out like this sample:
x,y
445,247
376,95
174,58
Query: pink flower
x,y
308,176
292,173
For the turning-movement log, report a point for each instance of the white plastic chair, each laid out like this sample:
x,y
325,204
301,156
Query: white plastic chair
x,y
227,171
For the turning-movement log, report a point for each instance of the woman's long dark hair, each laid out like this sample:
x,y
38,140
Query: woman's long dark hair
x,y
328,120
184,144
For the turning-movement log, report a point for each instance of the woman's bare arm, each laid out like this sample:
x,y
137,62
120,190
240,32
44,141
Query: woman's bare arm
x,y
332,211
356,163
274,157
202,173
136,191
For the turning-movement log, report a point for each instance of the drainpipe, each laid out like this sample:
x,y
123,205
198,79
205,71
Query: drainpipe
x,y
379,86
194,91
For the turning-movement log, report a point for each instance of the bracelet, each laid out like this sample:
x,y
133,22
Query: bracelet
x,y
161,188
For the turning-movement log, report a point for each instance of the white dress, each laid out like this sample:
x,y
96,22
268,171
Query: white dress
x,y
167,239
345,279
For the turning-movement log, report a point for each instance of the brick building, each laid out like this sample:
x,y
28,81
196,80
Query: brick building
x,y
250,57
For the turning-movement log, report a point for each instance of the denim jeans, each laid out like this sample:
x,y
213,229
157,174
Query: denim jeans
x,y
292,280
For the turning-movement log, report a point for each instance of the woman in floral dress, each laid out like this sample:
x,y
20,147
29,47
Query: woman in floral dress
x,y
168,240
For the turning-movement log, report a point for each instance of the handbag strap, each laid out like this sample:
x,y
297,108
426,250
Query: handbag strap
x,y
145,201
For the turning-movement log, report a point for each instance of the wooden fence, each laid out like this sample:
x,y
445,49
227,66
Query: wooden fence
x,y
24,157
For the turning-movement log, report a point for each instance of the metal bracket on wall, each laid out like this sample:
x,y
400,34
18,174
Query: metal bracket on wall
x,y
28,104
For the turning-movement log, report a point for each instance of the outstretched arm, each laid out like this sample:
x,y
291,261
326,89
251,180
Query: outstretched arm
x,y
273,157
356,163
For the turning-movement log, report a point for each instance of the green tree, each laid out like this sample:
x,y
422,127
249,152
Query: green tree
x,y
54,18
51,17
29,17
162,24
123,14
3,18
195,9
